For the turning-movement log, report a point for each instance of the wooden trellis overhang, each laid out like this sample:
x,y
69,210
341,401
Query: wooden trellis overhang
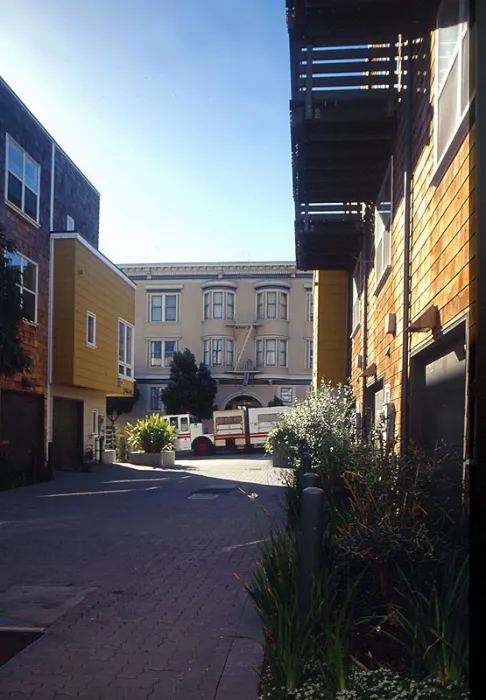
x,y
347,78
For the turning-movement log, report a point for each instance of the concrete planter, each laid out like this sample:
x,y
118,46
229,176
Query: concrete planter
x,y
109,456
153,459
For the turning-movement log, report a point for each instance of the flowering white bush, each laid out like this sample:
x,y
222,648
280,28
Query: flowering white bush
x,y
322,425
381,684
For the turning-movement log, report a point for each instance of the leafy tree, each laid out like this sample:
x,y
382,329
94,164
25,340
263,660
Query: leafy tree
x,y
276,401
117,405
13,358
190,389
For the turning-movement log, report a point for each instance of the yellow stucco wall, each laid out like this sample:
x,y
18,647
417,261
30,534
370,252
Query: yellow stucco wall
x,y
330,290
84,281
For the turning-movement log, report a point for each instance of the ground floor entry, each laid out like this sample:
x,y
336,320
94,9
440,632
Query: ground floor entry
x,y
67,433
22,446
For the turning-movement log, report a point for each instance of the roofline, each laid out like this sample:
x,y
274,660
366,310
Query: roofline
x,y
72,235
209,264
32,115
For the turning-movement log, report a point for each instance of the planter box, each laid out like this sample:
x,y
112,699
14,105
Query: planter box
x,y
153,459
109,456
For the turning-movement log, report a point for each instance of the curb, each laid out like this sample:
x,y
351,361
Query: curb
x,y
240,679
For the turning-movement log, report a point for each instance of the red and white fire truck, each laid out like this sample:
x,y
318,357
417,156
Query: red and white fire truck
x,y
232,429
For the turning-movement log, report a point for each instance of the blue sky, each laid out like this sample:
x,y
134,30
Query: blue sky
x,y
176,110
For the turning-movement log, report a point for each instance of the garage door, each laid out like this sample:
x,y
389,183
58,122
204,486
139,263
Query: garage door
x,y
22,435
67,434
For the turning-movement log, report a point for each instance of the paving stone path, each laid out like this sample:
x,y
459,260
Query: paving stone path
x,y
167,618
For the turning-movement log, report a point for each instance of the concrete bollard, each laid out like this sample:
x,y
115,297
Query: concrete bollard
x,y
309,479
311,550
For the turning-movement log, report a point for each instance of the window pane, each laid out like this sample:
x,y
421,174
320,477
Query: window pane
x,y
448,35
447,110
15,261
217,304
156,308
155,353
230,306
207,345
28,303
171,307
468,67
121,341
283,353
184,424
129,346
29,275
217,351
260,306
259,353
154,398
283,306
229,353
169,350
30,203
128,371
14,193
90,333
15,160
271,347
207,306
271,304
31,175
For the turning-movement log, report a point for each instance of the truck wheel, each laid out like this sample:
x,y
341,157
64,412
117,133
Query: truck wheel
x,y
203,447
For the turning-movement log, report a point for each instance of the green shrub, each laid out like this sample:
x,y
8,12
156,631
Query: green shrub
x,y
151,434
121,443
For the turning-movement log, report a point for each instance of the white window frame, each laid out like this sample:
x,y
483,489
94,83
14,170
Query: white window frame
x,y
310,307
287,395
464,36
261,350
163,312
70,223
90,343
261,312
127,367
20,285
208,305
356,296
309,353
21,209
165,359
210,348
95,422
159,390
383,234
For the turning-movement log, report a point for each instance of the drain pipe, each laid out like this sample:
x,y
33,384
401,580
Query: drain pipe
x,y
407,232
364,272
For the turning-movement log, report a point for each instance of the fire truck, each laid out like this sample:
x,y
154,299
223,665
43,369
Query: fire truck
x,y
232,429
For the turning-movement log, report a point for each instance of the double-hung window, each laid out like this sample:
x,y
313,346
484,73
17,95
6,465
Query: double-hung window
x,y
163,307
22,180
90,329
161,352
219,304
454,83
156,403
272,304
383,226
27,280
271,352
125,349
218,352
310,306
309,353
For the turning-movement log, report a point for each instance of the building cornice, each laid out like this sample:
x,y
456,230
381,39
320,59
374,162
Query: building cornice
x,y
212,271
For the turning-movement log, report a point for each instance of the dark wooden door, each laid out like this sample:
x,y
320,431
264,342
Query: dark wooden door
x,y
67,434
22,435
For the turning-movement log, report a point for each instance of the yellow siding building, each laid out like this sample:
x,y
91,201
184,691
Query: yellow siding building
x,y
93,314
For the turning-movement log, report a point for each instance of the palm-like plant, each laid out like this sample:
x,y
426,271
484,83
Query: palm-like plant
x,y
151,434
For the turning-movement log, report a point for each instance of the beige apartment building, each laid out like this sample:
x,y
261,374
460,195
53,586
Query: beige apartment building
x,y
250,323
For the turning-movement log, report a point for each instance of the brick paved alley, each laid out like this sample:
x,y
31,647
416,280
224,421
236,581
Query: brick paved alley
x,y
161,620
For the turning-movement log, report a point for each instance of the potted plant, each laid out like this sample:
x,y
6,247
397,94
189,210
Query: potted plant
x,y
152,441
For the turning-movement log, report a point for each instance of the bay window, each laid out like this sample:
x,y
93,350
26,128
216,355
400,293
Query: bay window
x,y
271,352
219,304
272,304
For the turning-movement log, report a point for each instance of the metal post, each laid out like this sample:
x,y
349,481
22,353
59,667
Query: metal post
x,y
309,479
311,550
304,467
